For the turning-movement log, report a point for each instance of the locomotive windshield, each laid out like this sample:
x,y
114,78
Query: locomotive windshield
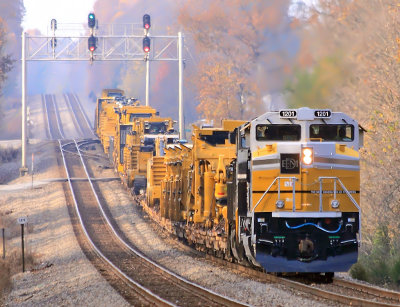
x,y
337,133
278,132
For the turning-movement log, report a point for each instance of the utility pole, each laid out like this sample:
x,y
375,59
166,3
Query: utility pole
x,y
146,49
147,81
180,59
23,170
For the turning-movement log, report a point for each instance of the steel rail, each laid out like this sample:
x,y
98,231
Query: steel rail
x,y
215,296
85,153
49,119
47,115
71,108
83,112
367,289
79,112
332,296
88,154
57,114
143,291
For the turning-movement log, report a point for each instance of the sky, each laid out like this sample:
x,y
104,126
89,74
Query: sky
x,y
40,12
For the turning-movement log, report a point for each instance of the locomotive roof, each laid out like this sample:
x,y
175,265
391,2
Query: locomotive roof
x,y
288,116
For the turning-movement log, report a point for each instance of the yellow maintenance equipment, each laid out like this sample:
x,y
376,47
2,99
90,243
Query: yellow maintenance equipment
x,y
193,187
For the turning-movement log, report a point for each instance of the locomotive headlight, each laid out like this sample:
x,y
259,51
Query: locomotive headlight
x,y
307,156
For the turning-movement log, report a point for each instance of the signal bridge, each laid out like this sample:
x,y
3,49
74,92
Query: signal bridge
x,y
109,43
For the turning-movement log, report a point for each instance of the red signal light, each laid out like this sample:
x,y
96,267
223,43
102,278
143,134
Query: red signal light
x,y
146,44
92,42
146,21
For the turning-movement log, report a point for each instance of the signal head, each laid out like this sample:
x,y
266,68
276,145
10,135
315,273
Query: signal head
x,y
146,21
92,41
146,44
91,20
53,24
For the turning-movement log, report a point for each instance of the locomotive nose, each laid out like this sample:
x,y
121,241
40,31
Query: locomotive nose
x,y
306,248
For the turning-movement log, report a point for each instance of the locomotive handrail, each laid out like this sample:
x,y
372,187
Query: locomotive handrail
x,y
294,179
320,179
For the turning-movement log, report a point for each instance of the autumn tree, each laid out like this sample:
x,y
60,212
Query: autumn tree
x,y
364,83
230,40
5,59
11,13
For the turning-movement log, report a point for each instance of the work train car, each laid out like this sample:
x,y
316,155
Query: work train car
x,y
128,132
105,120
139,135
281,191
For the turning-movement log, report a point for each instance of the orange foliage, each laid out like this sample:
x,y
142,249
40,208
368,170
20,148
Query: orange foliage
x,y
366,35
229,36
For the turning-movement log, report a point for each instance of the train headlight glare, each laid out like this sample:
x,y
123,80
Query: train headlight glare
x,y
307,156
335,203
280,204
307,160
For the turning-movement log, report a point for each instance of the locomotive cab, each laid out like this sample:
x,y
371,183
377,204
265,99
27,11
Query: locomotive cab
x,y
300,171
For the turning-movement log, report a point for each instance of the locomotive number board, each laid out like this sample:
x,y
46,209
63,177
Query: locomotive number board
x,y
317,113
322,113
288,113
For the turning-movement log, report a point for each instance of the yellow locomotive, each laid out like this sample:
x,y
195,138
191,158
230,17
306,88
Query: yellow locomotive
x,y
281,191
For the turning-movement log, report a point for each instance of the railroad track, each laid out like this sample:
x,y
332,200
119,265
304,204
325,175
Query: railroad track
x,y
149,283
340,290
54,123
54,127
79,116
